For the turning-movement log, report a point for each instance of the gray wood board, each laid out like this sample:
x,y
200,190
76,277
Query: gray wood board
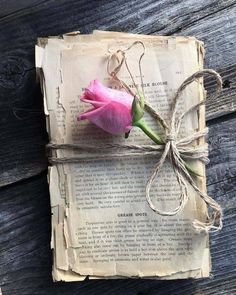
x,y
25,256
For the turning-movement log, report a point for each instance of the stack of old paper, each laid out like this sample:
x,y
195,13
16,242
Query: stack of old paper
x,y
102,226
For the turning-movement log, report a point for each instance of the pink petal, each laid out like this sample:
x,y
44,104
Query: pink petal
x,y
86,115
114,118
98,92
96,104
93,92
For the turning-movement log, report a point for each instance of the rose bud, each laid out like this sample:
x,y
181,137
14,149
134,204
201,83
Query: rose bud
x,y
111,108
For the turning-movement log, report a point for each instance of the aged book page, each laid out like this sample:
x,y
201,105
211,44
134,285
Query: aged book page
x,y
102,225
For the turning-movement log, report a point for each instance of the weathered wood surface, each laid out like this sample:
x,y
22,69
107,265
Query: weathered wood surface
x,y
25,257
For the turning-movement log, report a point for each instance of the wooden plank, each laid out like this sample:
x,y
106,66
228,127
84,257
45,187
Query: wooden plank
x,y
217,30
9,7
23,138
25,256
22,122
222,152
25,235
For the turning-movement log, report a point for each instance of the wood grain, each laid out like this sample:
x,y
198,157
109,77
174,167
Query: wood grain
x,y
25,256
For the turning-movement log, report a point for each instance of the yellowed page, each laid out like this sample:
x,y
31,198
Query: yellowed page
x,y
104,224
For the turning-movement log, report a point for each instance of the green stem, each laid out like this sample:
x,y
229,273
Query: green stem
x,y
142,125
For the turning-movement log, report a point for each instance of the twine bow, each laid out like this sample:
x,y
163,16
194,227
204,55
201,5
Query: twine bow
x,y
171,151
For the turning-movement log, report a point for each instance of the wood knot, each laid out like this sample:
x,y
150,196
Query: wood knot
x,y
12,70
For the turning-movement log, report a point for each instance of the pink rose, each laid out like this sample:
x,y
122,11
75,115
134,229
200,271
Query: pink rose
x,y
111,108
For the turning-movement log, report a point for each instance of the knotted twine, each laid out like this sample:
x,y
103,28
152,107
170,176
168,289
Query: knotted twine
x,y
173,149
